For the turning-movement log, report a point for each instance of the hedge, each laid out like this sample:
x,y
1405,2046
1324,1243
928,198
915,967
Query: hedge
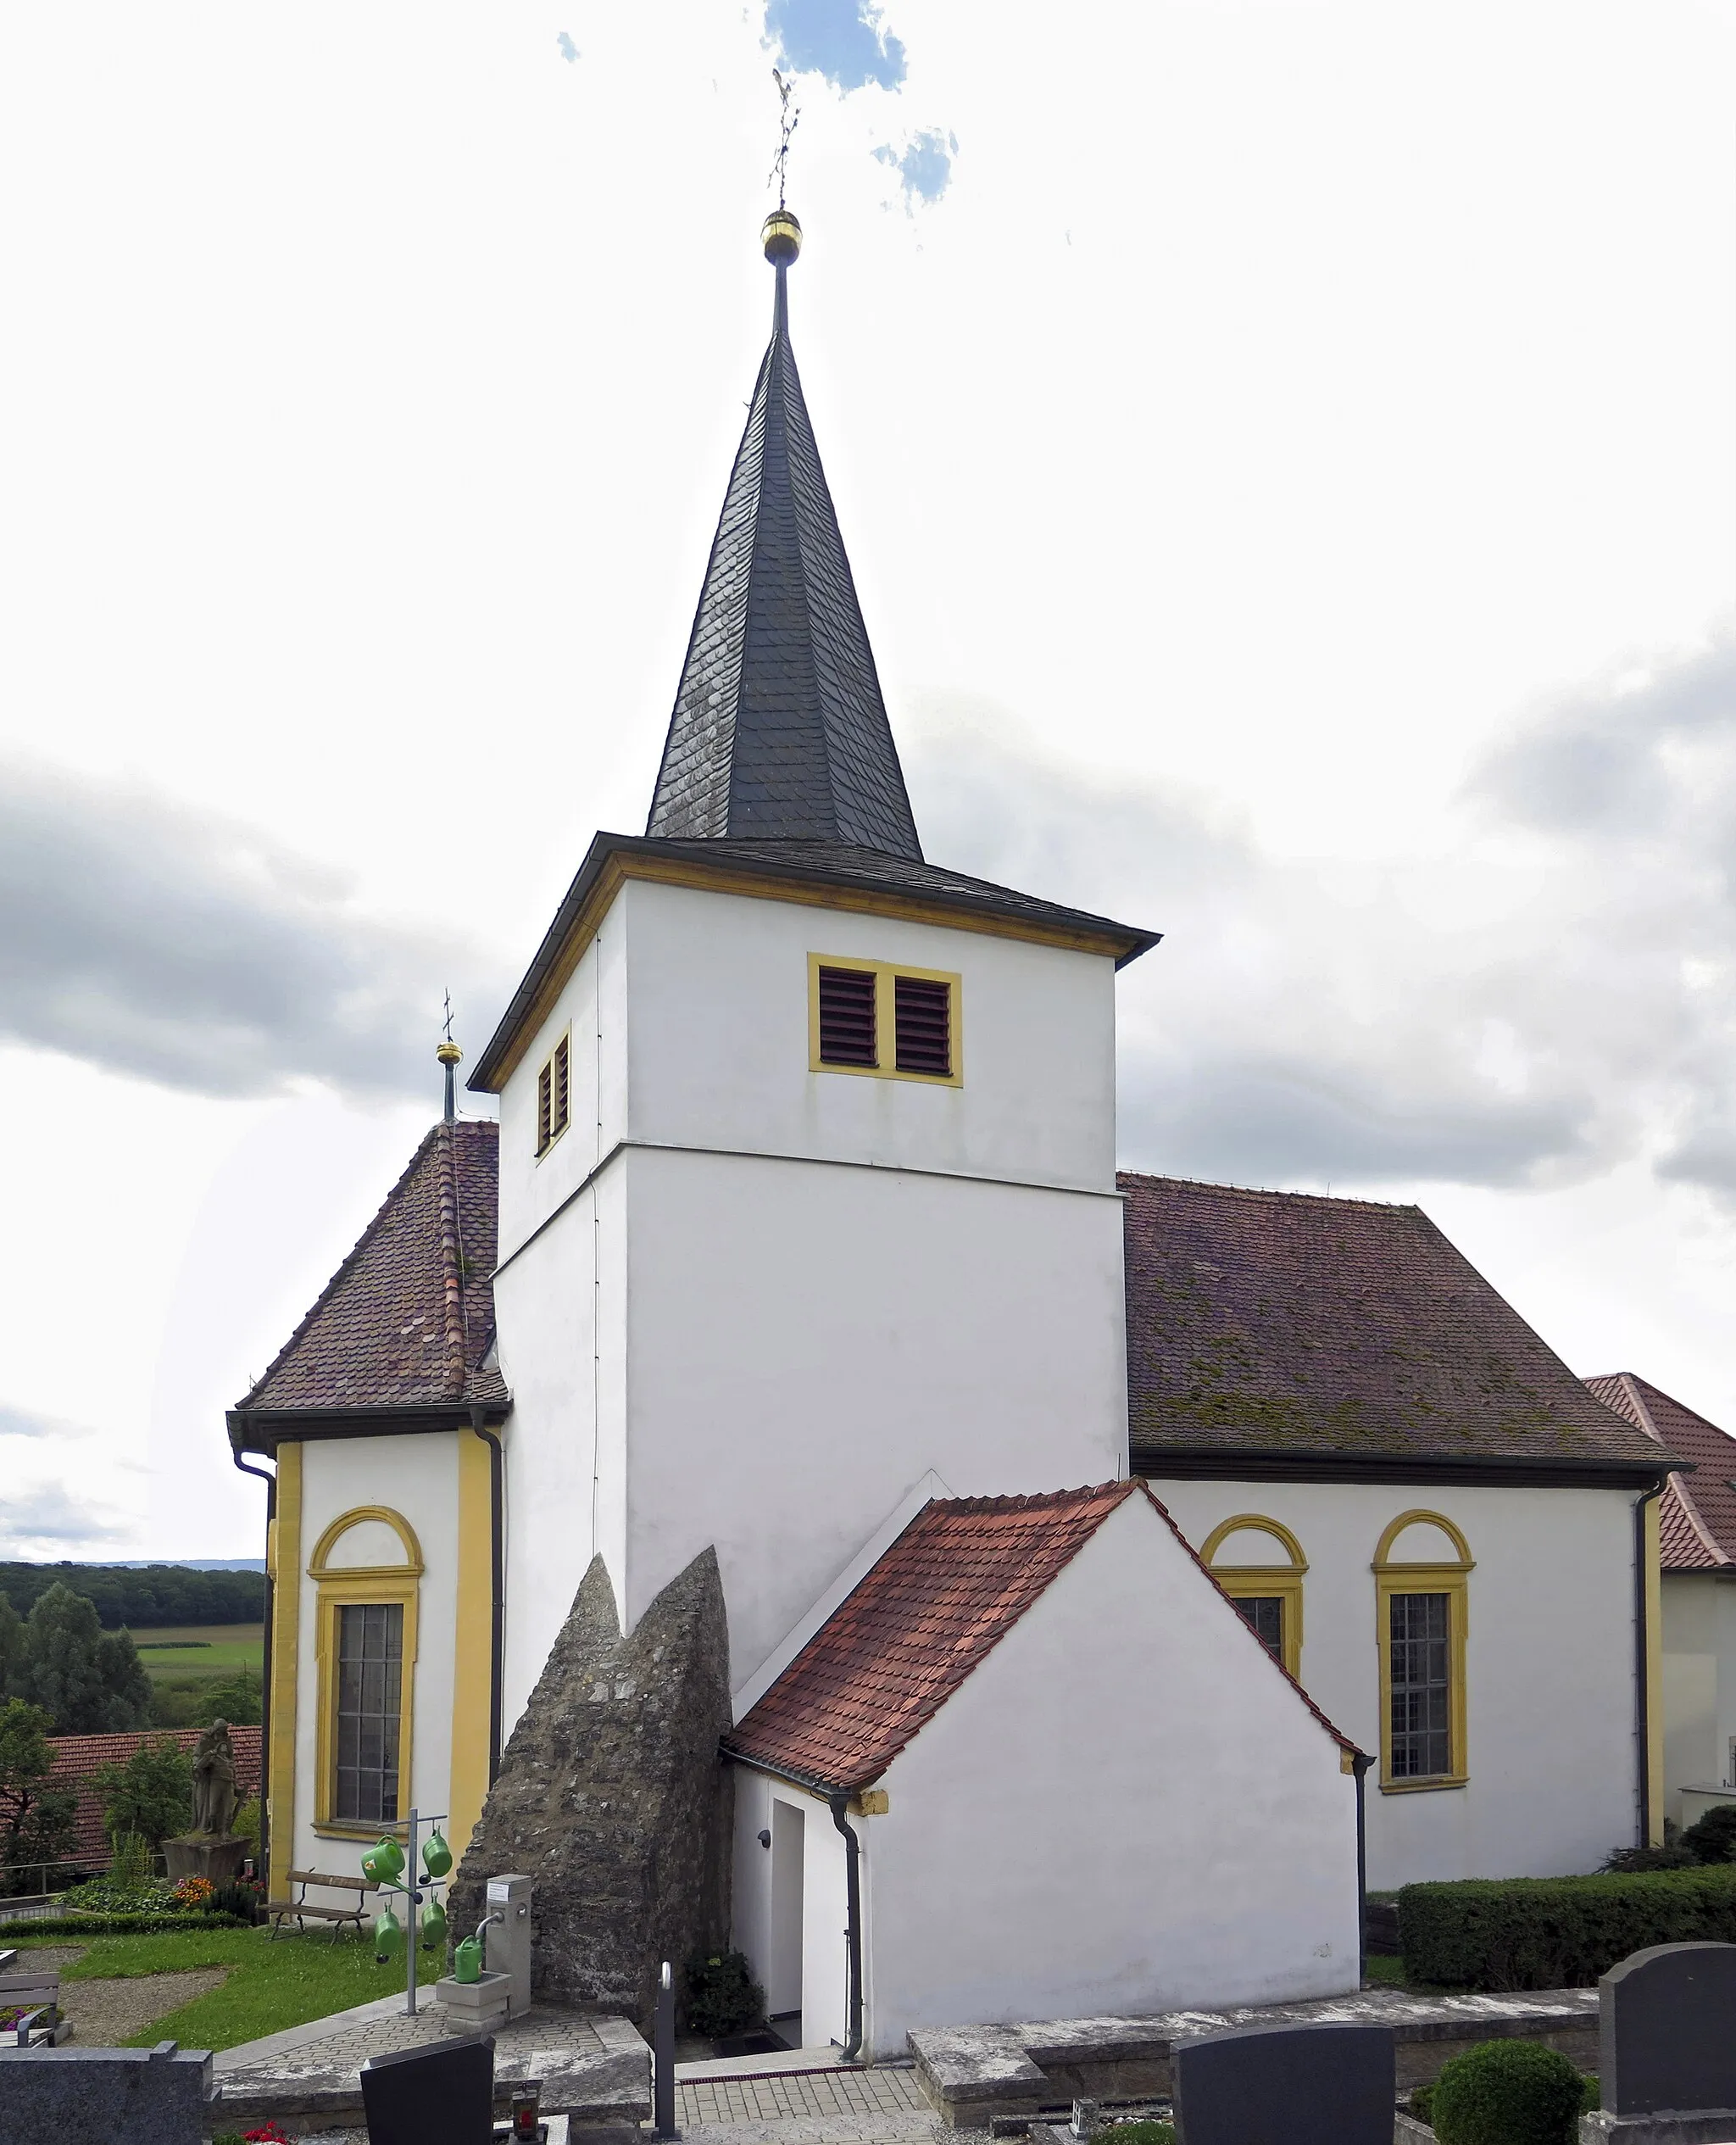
x,y
1556,1932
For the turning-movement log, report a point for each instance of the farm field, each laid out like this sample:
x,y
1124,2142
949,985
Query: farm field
x,y
177,1653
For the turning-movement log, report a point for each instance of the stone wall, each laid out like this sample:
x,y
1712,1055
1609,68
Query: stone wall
x,y
613,1797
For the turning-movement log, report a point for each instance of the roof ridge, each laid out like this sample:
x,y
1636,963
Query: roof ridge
x,y
1260,1191
451,1270
345,1266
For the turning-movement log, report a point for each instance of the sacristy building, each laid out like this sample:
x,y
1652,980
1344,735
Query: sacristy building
x,y
787,1440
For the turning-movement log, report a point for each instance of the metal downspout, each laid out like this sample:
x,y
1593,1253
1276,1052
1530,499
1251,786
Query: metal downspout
x,y
1360,1764
497,1552
1642,1677
840,1803
264,1863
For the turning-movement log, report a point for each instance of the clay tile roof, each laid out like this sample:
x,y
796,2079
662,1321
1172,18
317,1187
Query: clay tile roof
x,y
1697,1512
1280,1322
936,1604
407,1318
78,1758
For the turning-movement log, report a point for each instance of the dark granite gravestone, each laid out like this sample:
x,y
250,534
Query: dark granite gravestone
x,y
146,2096
1303,2085
1666,2020
442,2095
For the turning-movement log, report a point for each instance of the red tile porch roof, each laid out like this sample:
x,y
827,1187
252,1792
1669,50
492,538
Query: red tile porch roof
x,y
1697,1511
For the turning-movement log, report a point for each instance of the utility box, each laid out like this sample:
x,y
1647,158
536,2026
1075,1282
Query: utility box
x,y
507,1941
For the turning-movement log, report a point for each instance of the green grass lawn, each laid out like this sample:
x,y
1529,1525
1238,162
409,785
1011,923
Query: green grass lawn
x,y
181,1650
272,1984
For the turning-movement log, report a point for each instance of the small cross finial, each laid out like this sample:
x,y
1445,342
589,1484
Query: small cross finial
x,y
450,1056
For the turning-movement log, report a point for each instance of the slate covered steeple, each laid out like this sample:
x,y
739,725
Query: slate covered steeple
x,y
779,732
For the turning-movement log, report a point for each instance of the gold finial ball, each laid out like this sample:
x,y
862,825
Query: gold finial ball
x,y
449,1053
780,234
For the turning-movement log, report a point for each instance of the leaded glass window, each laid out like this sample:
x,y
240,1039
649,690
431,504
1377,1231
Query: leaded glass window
x,y
1264,1615
370,1701
1420,1636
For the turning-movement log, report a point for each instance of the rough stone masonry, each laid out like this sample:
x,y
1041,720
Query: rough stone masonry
x,y
613,1796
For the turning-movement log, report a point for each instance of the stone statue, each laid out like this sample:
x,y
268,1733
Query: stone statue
x,y
214,1798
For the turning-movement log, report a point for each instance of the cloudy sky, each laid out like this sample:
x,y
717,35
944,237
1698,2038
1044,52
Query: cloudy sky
x,y
1286,453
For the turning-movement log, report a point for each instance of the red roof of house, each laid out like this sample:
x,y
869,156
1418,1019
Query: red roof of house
x,y
931,1611
1287,1324
407,1319
79,1758
1697,1511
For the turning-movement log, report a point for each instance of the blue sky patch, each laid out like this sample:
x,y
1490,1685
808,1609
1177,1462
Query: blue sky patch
x,y
926,164
840,39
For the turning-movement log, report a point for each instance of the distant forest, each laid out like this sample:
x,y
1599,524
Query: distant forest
x,y
143,1597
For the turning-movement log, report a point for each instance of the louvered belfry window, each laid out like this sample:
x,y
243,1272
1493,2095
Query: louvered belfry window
x,y
874,1017
554,1096
923,1014
847,1023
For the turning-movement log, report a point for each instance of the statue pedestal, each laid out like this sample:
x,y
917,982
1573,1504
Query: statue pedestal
x,y
206,1854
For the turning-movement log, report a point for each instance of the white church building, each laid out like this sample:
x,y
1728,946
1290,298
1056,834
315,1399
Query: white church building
x,y
1091,1548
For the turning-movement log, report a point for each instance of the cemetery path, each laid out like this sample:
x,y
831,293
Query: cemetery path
x,y
106,2014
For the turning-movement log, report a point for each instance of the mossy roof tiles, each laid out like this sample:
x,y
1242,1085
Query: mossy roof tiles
x,y
1286,1323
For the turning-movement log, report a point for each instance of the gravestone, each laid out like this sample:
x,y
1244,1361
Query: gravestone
x,y
439,2096
1303,2085
146,2096
1666,2047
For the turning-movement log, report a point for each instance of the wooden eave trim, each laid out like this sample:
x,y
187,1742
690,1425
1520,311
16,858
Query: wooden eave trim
x,y
506,1051
1195,1463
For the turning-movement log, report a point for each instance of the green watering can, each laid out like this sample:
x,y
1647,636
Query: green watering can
x,y
467,1960
388,1935
436,1856
383,1862
430,1923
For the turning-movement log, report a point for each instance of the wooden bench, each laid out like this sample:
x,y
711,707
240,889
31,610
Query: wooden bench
x,y
35,1990
301,1909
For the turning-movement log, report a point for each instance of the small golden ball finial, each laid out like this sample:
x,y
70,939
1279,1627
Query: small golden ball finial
x,y
780,234
448,1053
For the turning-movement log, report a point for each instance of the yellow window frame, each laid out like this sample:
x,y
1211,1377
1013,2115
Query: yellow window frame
x,y
545,1118
1263,1582
361,1586
1391,1578
885,974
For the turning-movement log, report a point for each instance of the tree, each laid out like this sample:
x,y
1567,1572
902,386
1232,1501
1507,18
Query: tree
x,y
123,1678
151,1794
239,1699
86,1685
37,1821
11,1646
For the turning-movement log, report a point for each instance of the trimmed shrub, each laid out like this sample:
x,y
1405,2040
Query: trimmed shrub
x,y
1556,1932
115,1925
1507,2092
722,1996
1713,1839
1142,2133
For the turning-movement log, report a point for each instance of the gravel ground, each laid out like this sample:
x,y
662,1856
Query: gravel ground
x,y
104,2014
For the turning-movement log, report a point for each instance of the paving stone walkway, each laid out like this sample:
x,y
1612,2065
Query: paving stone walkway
x,y
853,2104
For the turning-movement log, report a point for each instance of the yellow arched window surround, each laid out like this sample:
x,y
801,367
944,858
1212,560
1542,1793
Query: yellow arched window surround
x,y
1269,1594
393,1589
1422,1608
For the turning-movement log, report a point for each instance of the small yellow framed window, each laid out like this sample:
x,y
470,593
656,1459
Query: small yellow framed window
x,y
884,1019
1259,1563
554,1094
367,1569
1422,1569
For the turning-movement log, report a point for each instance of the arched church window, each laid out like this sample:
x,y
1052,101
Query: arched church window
x,y
1259,1563
367,1568
1421,1566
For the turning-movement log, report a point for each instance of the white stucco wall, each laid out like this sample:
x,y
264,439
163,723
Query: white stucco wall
x,y
819,1990
1126,1807
805,1341
760,1322
1549,1689
1700,1685
417,1477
